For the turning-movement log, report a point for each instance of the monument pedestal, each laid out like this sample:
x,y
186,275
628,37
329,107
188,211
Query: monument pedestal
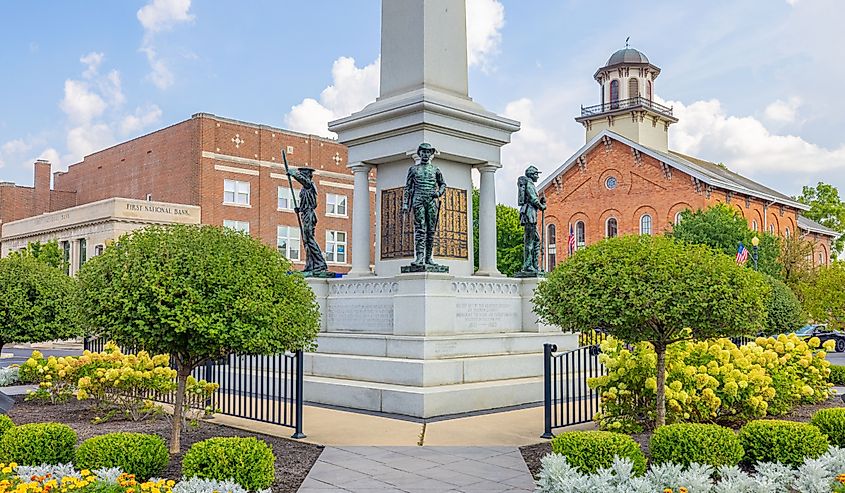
x,y
427,345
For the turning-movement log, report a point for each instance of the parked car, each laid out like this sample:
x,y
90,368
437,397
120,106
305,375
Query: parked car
x,y
820,331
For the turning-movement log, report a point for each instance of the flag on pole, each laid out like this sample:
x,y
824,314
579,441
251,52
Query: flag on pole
x,y
741,254
571,240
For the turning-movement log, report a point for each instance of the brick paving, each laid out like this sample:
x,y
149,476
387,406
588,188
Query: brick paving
x,y
419,469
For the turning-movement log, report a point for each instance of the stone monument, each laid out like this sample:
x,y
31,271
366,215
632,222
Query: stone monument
x,y
426,344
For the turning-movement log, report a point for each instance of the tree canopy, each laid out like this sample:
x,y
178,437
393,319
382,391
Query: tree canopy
x,y
824,296
654,289
48,253
35,301
509,236
827,209
783,309
198,294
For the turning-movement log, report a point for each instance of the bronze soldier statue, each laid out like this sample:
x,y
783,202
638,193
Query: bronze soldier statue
x,y
315,264
529,204
423,189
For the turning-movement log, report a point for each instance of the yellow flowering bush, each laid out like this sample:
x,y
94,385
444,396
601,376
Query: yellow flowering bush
x,y
711,381
86,481
128,383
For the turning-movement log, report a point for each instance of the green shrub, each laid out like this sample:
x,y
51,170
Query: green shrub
x,y
787,442
247,461
695,443
837,374
39,443
831,422
5,424
590,450
140,454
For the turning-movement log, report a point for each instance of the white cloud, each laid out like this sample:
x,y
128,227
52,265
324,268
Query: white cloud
x,y
485,19
161,15
160,76
352,88
80,103
92,61
142,118
783,111
51,155
88,138
16,146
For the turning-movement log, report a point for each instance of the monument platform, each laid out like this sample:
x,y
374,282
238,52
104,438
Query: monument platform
x,y
428,344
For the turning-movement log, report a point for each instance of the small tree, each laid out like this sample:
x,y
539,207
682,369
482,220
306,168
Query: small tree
x,y
796,260
198,294
824,295
783,309
35,302
827,209
653,289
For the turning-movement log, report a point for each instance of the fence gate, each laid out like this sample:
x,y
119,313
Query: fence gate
x,y
567,399
260,388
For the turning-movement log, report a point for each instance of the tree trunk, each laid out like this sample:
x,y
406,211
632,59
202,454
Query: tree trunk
x,y
182,373
660,418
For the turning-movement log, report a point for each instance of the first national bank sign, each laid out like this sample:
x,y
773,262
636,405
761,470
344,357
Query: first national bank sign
x,y
158,209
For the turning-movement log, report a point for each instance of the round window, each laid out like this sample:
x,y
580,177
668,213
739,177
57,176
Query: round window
x,y
610,183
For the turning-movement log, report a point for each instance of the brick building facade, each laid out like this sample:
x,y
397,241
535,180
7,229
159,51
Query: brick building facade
x,y
625,180
232,170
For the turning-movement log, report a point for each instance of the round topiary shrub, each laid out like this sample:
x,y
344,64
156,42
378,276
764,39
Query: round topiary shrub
x,y
248,461
140,454
39,443
787,442
589,451
5,424
831,422
837,374
688,443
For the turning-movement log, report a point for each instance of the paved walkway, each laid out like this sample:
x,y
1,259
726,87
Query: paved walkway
x,y
419,469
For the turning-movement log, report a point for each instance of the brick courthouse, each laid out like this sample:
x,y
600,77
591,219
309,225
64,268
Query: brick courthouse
x,y
231,170
626,180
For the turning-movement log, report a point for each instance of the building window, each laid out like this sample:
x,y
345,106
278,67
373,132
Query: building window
x,y
754,225
285,199
83,251
602,97
580,235
612,228
772,228
610,182
679,216
614,94
648,89
336,247
335,205
65,245
98,250
287,241
786,232
242,226
551,248
235,192
645,224
633,87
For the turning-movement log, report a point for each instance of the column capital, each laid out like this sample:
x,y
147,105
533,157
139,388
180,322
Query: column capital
x,y
360,167
488,167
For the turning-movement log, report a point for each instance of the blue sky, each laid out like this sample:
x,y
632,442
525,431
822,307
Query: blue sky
x,y
756,84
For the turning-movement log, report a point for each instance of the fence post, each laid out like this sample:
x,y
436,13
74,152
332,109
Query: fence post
x,y
208,377
85,343
300,366
548,349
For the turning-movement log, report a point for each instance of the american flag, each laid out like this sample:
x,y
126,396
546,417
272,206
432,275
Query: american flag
x,y
741,254
571,240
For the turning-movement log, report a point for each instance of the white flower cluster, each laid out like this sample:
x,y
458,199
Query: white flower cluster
x,y
198,485
9,376
814,476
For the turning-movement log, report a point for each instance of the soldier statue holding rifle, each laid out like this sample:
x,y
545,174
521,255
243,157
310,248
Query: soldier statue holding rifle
x,y
315,264
529,206
423,189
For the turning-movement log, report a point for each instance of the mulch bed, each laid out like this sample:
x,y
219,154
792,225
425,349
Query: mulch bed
x,y
532,454
293,459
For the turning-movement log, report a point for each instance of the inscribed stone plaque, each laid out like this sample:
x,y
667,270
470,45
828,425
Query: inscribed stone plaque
x,y
474,315
397,229
360,315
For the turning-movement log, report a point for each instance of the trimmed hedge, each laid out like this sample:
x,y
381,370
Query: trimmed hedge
x,y
831,422
688,443
5,424
787,442
589,451
140,454
837,374
35,444
247,461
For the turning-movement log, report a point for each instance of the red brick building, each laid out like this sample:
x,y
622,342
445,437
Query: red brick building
x,y
625,180
231,169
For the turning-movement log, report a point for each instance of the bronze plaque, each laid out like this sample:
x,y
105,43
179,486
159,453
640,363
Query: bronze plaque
x,y
397,229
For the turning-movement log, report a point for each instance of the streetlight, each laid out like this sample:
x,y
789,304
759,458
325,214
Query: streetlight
x,y
755,242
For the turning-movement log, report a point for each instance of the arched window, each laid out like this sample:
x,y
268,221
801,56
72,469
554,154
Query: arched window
x,y
645,224
754,225
551,247
614,94
679,217
602,97
612,229
772,228
786,232
580,235
649,94
633,87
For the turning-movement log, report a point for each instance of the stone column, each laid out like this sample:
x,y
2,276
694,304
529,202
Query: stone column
x,y
487,221
361,237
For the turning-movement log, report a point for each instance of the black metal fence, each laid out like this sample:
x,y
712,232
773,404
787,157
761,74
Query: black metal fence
x,y
261,388
568,400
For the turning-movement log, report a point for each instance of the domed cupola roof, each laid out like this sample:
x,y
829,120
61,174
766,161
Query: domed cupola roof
x,y
627,55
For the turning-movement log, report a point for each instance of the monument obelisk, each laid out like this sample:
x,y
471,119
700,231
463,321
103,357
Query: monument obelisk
x,y
426,343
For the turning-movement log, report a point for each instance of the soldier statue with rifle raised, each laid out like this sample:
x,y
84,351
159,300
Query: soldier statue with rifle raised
x,y
315,263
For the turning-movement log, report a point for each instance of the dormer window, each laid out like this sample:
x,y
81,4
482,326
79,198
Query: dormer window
x,y
633,87
648,90
614,94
